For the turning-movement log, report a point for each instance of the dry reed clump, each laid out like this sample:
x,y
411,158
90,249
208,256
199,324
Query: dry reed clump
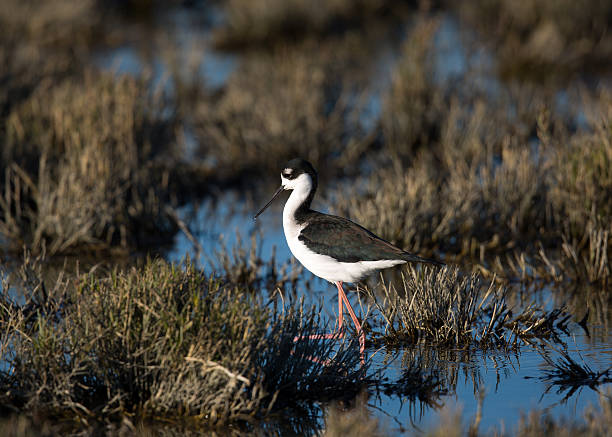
x,y
445,308
263,22
538,39
82,166
290,101
581,192
161,342
474,209
463,179
475,182
577,199
412,107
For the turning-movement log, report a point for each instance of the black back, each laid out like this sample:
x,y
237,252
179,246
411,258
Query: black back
x,y
345,240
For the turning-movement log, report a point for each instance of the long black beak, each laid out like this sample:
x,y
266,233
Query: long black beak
x,y
280,190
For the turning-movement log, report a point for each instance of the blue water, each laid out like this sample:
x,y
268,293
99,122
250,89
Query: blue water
x,y
509,382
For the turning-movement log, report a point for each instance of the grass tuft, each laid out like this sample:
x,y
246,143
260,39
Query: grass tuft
x,y
442,307
79,166
162,342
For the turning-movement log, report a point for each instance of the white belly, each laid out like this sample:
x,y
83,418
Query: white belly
x,y
332,270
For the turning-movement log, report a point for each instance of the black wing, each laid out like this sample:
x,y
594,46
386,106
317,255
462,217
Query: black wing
x,y
346,241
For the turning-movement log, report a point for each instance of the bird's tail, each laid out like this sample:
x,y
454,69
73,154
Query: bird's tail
x,y
415,258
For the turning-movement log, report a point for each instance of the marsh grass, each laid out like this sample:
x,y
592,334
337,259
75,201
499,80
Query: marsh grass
x,y
247,268
161,342
445,308
413,106
451,165
80,166
267,22
540,40
287,102
476,175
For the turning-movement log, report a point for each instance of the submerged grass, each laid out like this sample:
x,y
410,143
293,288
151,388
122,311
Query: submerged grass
x,y
161,342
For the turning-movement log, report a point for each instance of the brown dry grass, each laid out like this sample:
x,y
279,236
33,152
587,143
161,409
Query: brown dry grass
x,y
160,342
442,307
543,40
287,102
264,22
483,176
80,169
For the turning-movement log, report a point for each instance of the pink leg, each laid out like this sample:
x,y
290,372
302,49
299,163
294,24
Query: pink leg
x,y
355,320
340,307
333,335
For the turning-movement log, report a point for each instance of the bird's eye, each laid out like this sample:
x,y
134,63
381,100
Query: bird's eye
x,y
288,175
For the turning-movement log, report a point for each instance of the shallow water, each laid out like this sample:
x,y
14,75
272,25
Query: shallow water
x,y
510,383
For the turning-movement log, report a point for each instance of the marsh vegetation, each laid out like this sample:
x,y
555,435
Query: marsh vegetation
x,y
477,134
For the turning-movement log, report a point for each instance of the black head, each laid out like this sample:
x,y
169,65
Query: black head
x,y
296,167
297,174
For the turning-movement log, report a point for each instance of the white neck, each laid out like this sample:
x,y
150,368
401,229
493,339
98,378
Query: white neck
x,y
301,189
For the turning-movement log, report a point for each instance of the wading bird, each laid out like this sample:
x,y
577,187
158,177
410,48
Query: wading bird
x,y
333,248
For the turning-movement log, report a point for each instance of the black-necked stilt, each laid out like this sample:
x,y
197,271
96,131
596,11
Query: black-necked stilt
x,y
333,248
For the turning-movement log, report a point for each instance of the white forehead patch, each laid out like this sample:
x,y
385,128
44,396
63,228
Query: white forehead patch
x,y
288,170
303,181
